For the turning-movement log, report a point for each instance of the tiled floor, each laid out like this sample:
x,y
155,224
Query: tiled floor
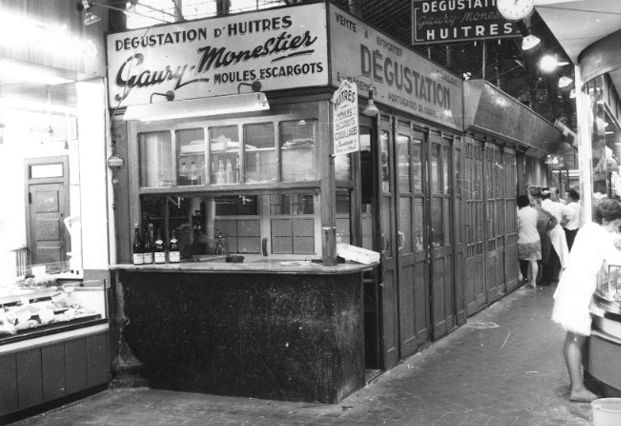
x,y
503,368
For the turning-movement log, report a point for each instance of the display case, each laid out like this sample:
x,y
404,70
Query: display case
x,y
608,292
39,306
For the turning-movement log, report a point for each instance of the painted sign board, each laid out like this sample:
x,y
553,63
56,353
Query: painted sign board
x,y
345,114
443,21
400,77
281,48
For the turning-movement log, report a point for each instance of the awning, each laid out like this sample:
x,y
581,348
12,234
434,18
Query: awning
x,y
490,110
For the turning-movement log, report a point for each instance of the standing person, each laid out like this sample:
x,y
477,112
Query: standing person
x,y
594,245
529,244
545,222
572,220
559,252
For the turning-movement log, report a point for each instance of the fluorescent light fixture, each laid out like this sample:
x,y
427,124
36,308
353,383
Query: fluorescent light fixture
x,y
564,81
530,41
21,72
228,104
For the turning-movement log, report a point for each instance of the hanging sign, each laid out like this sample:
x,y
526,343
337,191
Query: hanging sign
x,y
345,113
442,21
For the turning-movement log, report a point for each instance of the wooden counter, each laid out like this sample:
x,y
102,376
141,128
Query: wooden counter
x,y
274,329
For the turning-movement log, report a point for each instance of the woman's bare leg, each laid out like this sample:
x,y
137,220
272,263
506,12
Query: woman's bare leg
x,y
532,273
572,350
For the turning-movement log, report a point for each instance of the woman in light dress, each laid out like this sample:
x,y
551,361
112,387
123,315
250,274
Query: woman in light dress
x,y
595,244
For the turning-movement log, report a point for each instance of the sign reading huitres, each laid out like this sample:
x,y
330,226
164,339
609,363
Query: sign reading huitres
x,y
441,21
345,112
281,48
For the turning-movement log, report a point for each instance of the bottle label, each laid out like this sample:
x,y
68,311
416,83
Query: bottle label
x,y
160,257
148,258
174,257
138,259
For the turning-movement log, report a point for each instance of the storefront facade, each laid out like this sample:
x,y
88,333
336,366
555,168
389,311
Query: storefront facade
x,y
54,271
228,129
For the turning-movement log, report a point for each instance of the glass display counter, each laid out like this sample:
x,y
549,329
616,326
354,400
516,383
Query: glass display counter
x,y
34,307
601,367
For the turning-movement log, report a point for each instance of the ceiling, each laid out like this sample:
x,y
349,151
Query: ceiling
x,y
577,24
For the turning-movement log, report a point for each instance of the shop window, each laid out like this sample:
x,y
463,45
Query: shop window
x,y
260,160
385,162
155,159
224,155
417,165
190,156
343,207
297,144
403,163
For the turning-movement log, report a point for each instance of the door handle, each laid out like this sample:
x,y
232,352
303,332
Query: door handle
x,y
264,246
401,240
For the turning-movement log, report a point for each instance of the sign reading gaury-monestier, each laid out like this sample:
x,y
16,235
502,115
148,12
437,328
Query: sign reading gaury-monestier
x,y
345,114
441,21
282,48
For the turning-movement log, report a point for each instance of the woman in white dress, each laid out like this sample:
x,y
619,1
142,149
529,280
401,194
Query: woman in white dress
x,y
594,245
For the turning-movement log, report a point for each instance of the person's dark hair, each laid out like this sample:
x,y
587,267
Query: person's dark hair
x,y
522,201
573,194
607,209
545,193
535,191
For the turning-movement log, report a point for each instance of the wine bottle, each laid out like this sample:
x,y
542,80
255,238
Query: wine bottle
x,y
138,257
147,246
173,249
159,255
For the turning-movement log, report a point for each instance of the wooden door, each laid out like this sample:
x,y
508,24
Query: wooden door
x,y
475,294
389,280
441,235
47,204
414,314
459,246
494,256
510,212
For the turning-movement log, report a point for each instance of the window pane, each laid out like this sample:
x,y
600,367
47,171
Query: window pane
x,y
419,237
224,151
435,169
260,161
342,167
155,159
297,143
436,222
445,169
417,165
405,224
292,224
190,157
343,216
384,161
403,156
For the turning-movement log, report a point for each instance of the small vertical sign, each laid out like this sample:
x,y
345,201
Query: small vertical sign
x,y
345,112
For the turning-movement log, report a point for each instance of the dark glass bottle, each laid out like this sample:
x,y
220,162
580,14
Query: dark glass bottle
x,y
147,245
173,249
159,254
138,257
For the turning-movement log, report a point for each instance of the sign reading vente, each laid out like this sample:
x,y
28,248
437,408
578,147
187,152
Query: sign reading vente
x,y
441,21
345,113
282,48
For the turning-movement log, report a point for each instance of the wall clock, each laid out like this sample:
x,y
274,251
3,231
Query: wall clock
x,y
514,10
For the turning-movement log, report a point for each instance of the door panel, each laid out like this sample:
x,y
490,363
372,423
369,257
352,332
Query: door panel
x,y
494,259
441,236
389,284
475,277
510,211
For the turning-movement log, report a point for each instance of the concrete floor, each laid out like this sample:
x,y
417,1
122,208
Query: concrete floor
x,y
503,368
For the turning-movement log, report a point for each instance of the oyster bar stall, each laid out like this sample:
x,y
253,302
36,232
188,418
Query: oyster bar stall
x,y
245,143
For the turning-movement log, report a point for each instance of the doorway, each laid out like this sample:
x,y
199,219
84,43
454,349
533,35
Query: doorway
x,y
47,205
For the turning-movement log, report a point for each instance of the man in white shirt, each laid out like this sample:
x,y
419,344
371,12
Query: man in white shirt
x,y
558,258
572,219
